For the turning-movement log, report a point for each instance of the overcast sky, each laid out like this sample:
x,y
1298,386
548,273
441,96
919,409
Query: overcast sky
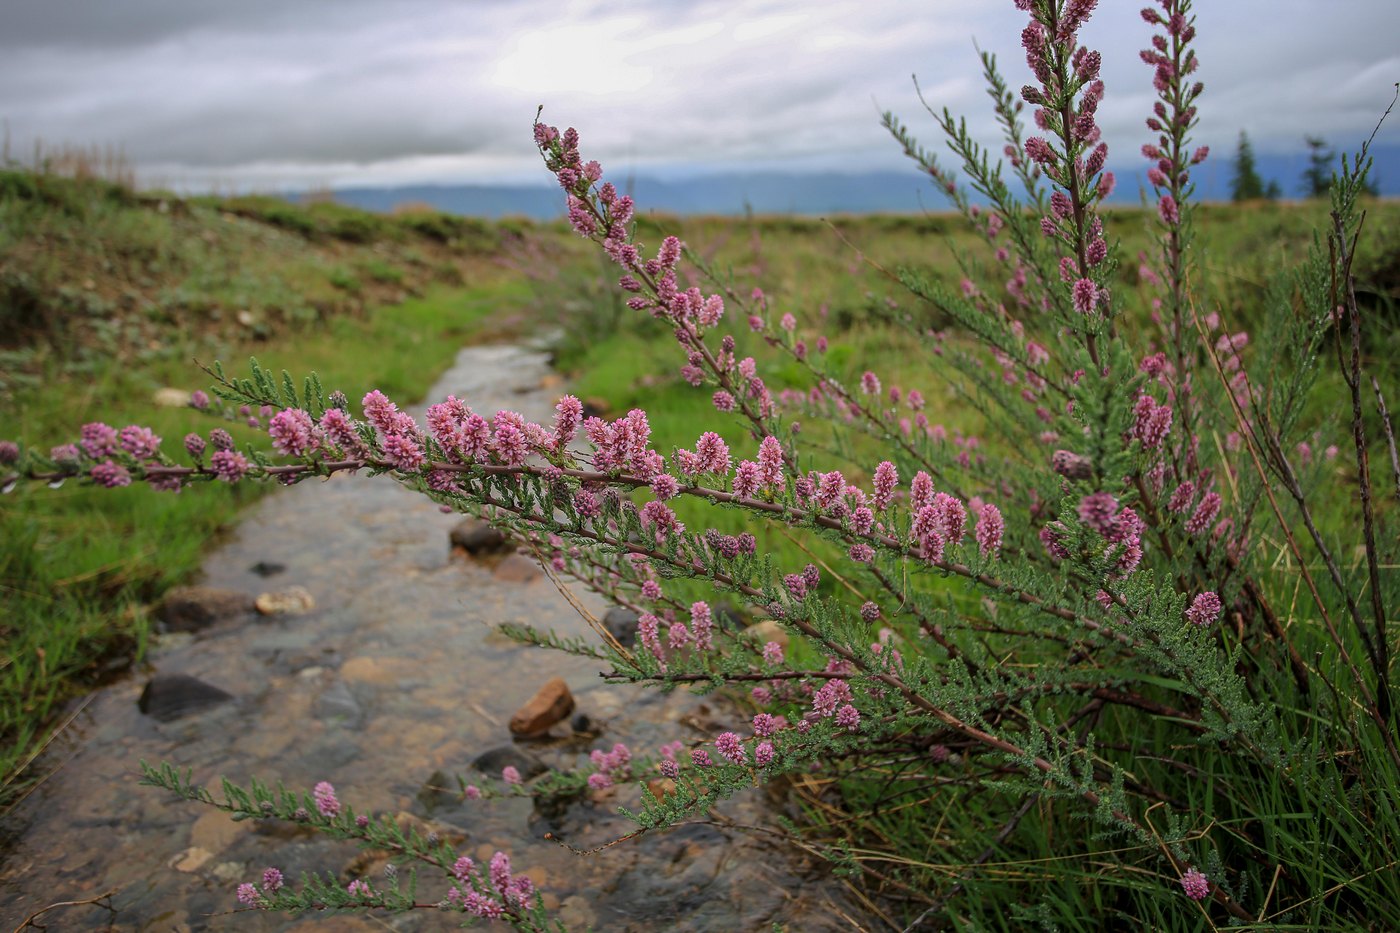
x,y
296,93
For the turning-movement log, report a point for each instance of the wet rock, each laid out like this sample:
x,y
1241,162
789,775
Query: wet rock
x,y
494,760
337,703
215,831
575,914
517,568
477,537
766,631
551,703
293,601
335,925
192,859
438,790
193,608
266,568
380,672
229,872
168,697
622,625
368,864
605,702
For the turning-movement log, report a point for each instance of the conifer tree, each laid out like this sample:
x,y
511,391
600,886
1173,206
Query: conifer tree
x,y
1246,184
1317,178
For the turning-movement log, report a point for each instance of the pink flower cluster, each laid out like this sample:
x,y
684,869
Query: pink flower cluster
x,y
1204,609
611,766
1151,422
1195,884
326,801
489,894
942,523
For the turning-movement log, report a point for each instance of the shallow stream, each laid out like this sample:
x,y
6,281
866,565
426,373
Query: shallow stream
x,y
394,682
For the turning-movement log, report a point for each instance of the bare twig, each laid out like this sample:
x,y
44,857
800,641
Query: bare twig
x,y
1346,253
1389,434
31,920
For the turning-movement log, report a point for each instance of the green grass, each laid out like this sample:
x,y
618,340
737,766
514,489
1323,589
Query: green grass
x,y
93,271
79,566
908,834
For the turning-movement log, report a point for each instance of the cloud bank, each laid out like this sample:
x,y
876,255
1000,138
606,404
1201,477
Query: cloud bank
x,y
270,94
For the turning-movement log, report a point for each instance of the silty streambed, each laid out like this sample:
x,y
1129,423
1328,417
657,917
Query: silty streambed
x,y
393,682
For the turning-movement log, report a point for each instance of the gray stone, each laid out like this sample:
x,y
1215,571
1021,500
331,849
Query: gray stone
x,y
168,697
194,608
477,537
438,791
337,703
622,625
494,760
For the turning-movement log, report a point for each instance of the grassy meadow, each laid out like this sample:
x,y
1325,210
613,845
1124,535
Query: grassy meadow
x,y
107,295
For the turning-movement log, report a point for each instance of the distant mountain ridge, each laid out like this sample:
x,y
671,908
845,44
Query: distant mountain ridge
x,y
811,194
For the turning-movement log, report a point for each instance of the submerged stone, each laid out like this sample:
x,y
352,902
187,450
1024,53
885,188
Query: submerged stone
x,y
168,697
193,608
517,568
495,760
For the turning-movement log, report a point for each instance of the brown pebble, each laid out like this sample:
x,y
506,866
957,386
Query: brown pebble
x,y
550,704
517,568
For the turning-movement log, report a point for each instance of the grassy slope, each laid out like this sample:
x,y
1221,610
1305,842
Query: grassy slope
x,y
106,298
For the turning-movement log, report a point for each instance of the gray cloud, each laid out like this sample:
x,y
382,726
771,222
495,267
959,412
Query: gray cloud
x,y
267,92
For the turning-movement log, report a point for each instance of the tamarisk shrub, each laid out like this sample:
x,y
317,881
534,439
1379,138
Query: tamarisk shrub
x,y
1115,634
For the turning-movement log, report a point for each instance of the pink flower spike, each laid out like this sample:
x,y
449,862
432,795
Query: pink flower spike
x,y
1167,210
1205,609
1086,296
1195,884
990,527
326,801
